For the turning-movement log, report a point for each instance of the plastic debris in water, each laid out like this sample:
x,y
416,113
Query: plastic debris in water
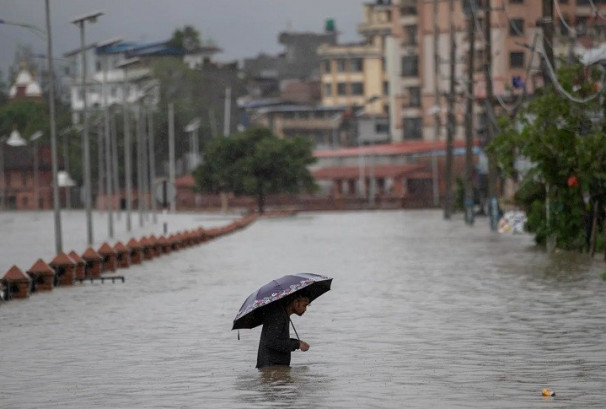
x,y
548,392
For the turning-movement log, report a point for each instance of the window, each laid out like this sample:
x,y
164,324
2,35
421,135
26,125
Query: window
x,y
516,27
23,178
327,90
414,96
341,88
411,35
357,88
413,128
381,127
516,59
341,65
410,66
385,87
326,67
356,65
408,7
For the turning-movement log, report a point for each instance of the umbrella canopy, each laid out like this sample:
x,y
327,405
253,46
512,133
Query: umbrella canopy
x,y
251,314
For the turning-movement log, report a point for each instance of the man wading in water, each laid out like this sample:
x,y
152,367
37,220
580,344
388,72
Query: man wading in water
x,y
276,345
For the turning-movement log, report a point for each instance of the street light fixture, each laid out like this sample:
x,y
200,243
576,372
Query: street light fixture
x,y
80,22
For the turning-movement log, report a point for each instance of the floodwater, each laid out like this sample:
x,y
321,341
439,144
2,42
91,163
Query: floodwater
x,y
423,313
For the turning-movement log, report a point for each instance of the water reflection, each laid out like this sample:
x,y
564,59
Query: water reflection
x,y
282,386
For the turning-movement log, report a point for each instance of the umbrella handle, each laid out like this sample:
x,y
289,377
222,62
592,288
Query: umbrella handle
x,y
293,327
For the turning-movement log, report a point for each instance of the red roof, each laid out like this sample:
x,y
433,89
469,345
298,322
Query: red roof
x,y
106,249
134,244
120,247
397,148
74,256
353,172
41,267
62,259
15,274
91,254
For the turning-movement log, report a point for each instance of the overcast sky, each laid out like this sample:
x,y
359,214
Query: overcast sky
x,y
241,28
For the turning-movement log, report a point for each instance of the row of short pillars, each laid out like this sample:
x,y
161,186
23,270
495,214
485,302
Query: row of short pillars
x,y
66,269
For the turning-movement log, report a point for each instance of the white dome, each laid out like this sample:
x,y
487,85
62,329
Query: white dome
x,y
25,85
24,78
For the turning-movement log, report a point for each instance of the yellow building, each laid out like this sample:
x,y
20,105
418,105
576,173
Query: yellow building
x,y
354,75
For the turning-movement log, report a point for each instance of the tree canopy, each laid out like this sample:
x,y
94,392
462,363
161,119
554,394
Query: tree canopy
x,y
187,38
256,163
561,132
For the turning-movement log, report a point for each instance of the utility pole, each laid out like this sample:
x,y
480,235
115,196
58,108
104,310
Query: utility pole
x,y
53,134
469,125
451,116
227,111
548,58
436,79
547,25
493,204
171,152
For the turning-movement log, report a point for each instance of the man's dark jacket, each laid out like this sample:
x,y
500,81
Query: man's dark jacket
x,y
275,345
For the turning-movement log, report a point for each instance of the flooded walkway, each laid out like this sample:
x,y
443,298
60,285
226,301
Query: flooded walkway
x,y
422,313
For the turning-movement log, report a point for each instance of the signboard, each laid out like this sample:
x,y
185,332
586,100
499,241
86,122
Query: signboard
x,y
165,192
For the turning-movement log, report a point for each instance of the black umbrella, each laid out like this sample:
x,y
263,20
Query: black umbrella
x,y
250,314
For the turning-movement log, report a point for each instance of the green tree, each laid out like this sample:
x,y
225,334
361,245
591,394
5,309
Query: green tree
x,y
26,116
561,132
256,163
187,38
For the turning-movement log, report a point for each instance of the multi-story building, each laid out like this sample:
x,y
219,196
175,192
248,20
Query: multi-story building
x,y
420,46
355,75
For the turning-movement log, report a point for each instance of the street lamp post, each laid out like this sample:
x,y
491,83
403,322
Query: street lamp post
x,y
35,136
80,22
108,167
148,99
152,163
2,142
194,151
361,159
127,165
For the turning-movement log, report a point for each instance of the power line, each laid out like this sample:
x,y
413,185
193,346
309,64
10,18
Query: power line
x,y
595,10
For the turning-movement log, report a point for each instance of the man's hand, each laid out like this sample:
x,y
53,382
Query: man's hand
x,y
304,346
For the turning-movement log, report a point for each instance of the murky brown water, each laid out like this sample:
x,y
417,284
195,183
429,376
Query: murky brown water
x,y
423,313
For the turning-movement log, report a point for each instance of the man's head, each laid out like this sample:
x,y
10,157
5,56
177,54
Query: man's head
x,y
298,304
